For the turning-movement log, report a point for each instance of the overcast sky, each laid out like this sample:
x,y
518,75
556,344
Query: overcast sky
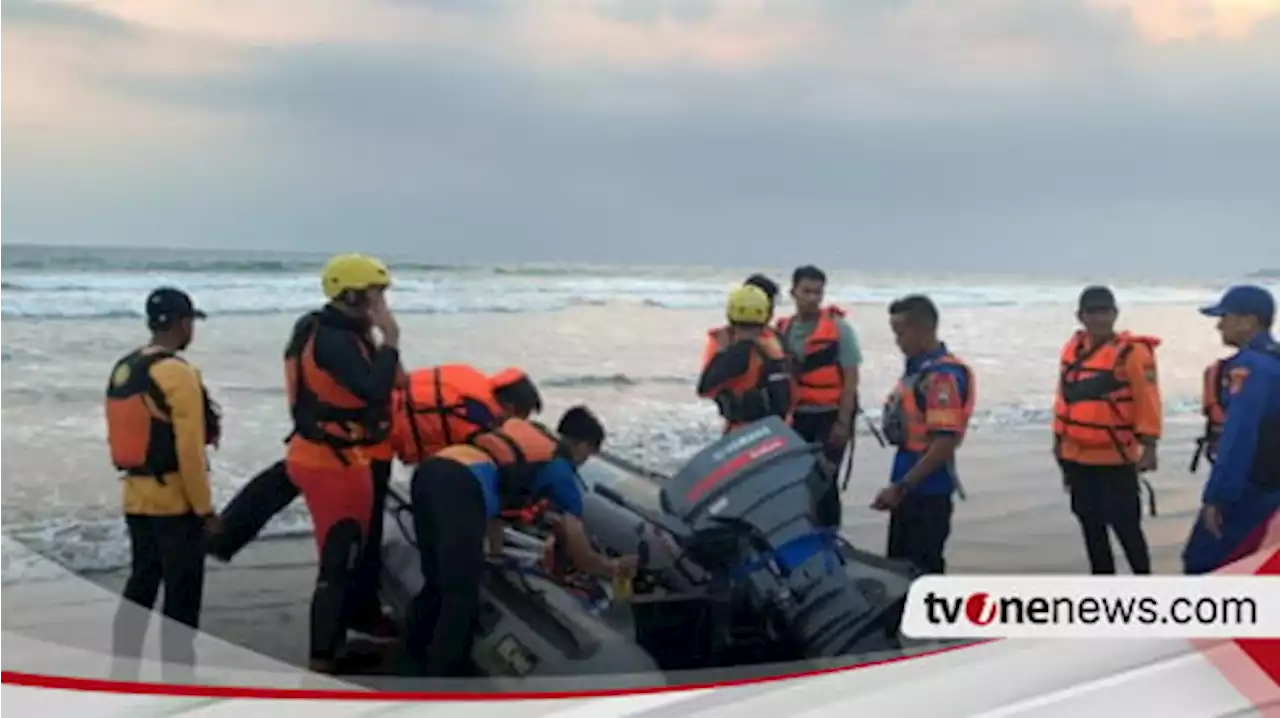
x,y
1000,135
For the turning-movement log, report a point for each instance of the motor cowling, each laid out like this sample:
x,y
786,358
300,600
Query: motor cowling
x,y
747,504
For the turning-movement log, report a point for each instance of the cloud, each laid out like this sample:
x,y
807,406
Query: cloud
x,y
59,61
1166,21
549,33
853,59
1031,133
37,13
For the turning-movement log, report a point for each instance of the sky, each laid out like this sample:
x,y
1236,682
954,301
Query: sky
x,y
974,135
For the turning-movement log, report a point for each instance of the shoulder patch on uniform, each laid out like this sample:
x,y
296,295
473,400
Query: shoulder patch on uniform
x,y
120,375
942,390
1236,378
942,395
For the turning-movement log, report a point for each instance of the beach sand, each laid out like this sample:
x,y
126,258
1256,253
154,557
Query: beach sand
x,y
1016,520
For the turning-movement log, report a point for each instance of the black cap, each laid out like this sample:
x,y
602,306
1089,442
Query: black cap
x,y
166,304
1097,298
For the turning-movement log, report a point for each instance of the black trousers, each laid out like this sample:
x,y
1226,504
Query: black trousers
x,y
815,427
167,551
450,522
271,492
918,531
1105,497
257,502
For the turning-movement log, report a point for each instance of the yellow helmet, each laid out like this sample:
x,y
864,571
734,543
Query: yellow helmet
x,y
353,272
748,304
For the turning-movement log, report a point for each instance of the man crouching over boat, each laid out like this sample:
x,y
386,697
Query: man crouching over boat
x,y
459,496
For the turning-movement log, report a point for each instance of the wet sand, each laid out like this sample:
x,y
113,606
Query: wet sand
x,y
1016,520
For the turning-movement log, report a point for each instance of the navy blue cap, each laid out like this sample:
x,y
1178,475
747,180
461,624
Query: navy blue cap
x,y
168,303
1246,300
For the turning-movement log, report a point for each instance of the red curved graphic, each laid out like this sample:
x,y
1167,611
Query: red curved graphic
x,y
1254,666
98,685
1265,652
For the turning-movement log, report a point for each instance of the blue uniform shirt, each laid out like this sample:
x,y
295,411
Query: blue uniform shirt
x,y
556,480
1253,396
947,376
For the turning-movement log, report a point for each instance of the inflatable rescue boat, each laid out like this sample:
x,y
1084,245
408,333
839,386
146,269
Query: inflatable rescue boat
x,y
733,571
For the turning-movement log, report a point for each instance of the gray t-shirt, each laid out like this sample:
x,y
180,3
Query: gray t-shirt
x,y
850,351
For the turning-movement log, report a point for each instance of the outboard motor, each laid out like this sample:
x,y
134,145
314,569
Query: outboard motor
x,y
742,510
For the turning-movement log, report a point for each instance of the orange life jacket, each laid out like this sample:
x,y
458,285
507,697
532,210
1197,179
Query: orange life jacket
x,y
381,451
718,338
323,411
140,432
1213,406
904,421
507,377
438,407
1094,404
817,371
518,448
732,392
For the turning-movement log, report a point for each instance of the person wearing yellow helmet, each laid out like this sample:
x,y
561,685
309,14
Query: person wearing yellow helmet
x,y
717,337
746,375
339,382
350,278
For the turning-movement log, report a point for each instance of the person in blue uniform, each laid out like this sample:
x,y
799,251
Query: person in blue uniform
x,y
461,494
1243,491
926,417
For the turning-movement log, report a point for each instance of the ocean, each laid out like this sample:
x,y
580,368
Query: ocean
x,y
625,340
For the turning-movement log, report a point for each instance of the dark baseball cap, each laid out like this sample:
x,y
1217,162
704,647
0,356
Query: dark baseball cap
x,y
1097,297
1246,300
168,303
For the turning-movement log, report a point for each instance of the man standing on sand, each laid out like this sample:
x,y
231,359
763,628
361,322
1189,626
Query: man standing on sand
x,y
926,417
159,420
1107,420
1243,491
339,385
825,358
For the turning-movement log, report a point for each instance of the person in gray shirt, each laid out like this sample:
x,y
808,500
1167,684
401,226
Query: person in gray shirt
x,y
825,359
